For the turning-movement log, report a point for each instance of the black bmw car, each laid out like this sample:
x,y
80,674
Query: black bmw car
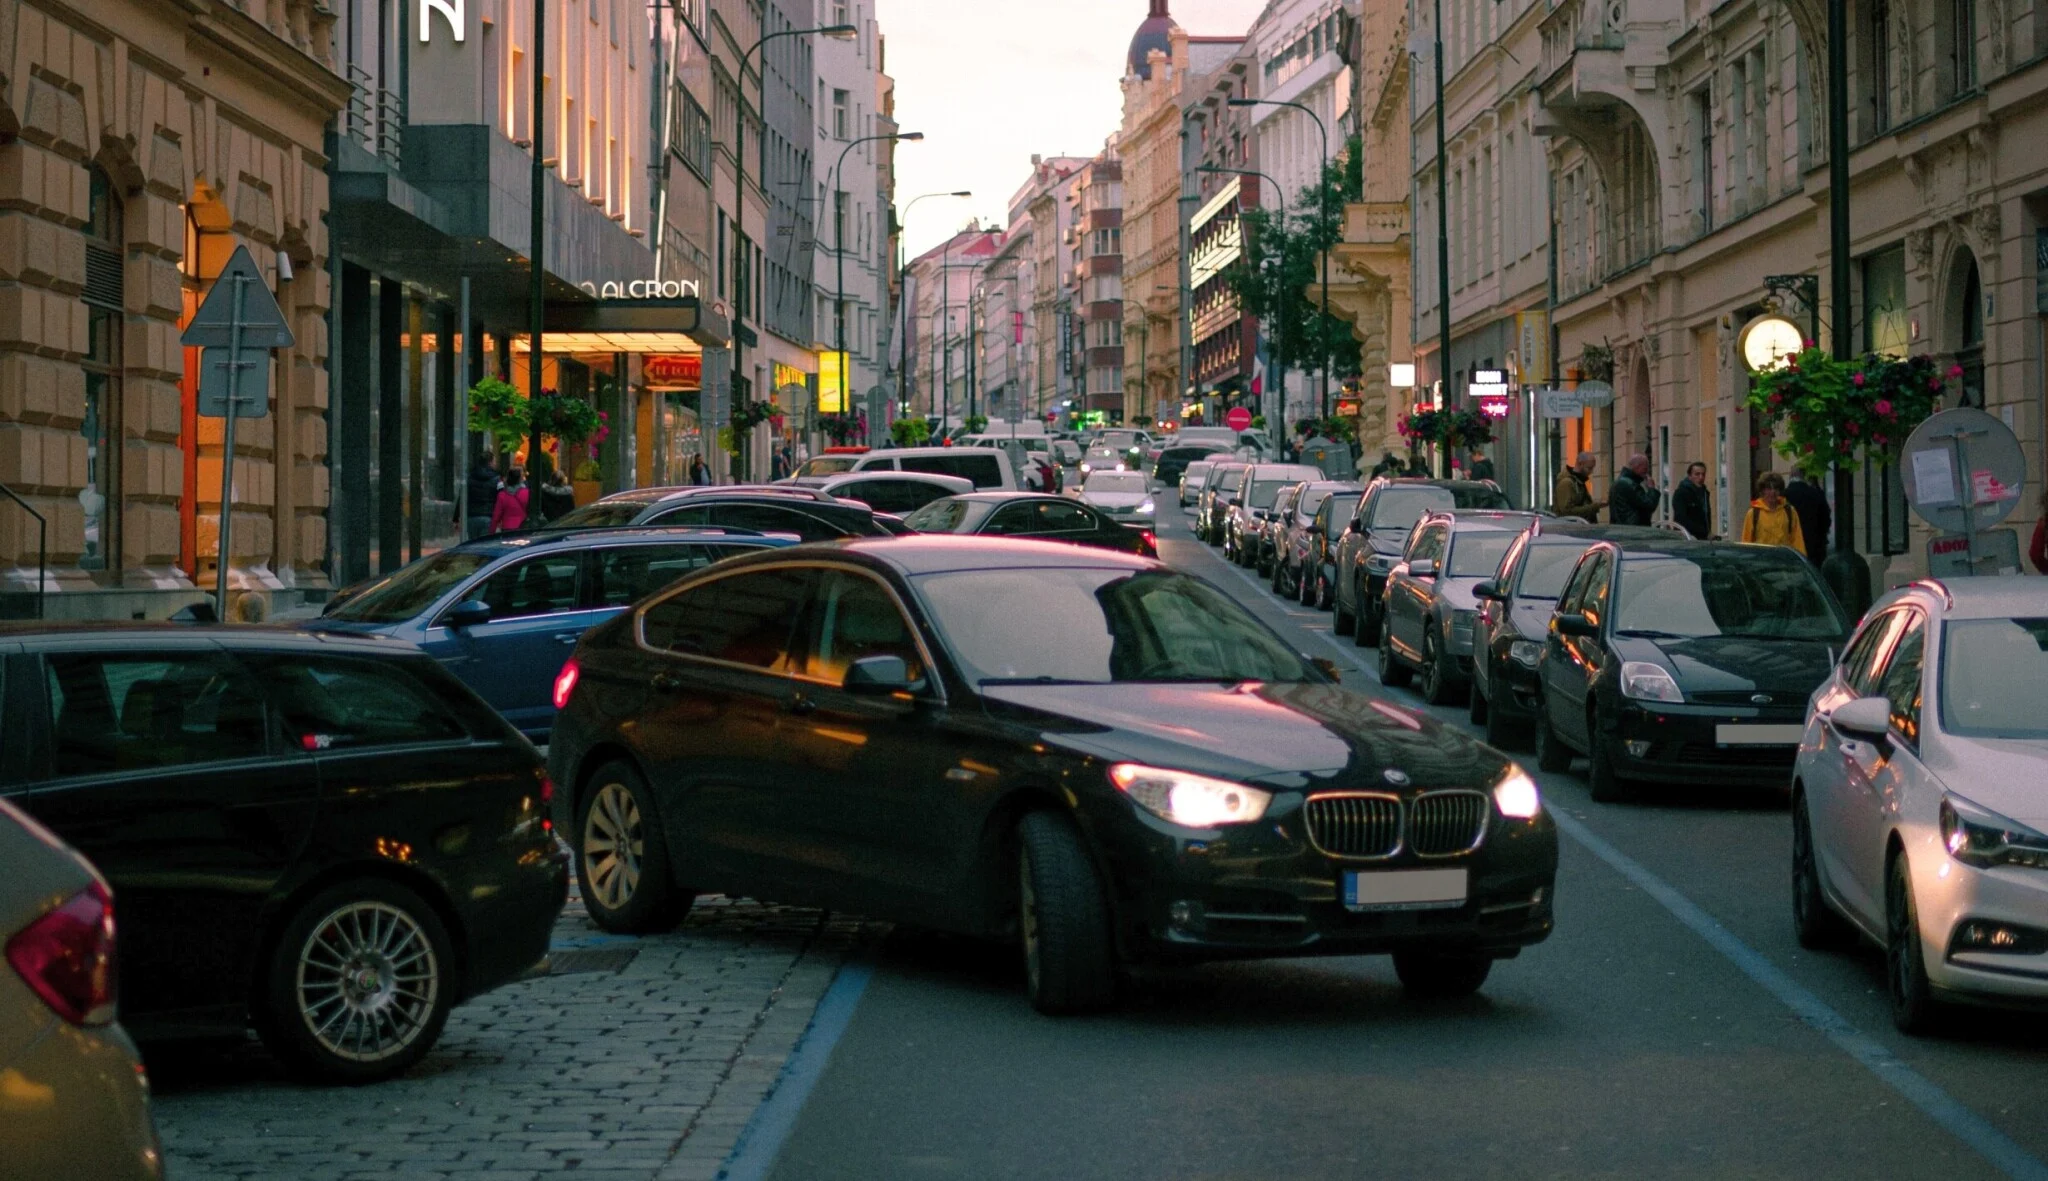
x,y
1684,662
1089,753
1035,515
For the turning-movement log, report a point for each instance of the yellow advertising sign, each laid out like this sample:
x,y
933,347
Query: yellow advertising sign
x,y
832,397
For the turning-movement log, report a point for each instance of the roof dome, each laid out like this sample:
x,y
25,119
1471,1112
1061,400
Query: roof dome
x,y
1155,33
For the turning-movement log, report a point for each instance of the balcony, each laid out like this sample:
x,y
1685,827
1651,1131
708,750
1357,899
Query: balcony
x,y
1598,52
1376,223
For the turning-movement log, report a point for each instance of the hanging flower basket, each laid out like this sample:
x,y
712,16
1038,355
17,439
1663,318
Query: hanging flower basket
x,y
1846,412
572,420
1450,429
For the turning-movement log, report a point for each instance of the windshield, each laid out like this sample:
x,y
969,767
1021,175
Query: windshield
x,y
1311,500
1478,554
1096,626
1727,593
1401,506
1548,567
827,465
1198,471
603,514
413,589
1230,479
1121,440
1264,492
1994,676
1116,482
943,516
1342,507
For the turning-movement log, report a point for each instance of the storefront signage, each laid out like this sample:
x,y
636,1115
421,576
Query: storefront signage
x,y
451,9
642,289
1561,403
1768,342
674,370
1494,407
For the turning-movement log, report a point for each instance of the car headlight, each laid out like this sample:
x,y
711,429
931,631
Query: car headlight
x,y
1525,652
1981,838
1086,467
1516,795
1648,682
1182,797
1380,564
1147,508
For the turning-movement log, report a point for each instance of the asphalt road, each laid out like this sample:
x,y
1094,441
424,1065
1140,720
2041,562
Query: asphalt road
x,y
1671,1027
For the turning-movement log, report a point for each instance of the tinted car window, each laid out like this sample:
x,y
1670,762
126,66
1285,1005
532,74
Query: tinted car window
x,y
1727,593
892,496
747,619
1229,480
1479,496
769,518
1547,567
1994,676
335,701
131,712
1478,554
1311,500
1264,492
984,470
1428,544
1901,683
541,585
414,589
604,514
854,617
626,574
1400,506
1342,508
1860,662
940,516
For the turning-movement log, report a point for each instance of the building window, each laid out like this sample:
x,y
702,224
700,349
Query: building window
x,y
1961,27
1877,69
692,134
1885,327
1703,146
103,297
839,13
840,102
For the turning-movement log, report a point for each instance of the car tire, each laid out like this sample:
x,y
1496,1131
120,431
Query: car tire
x,y
1914,1009
1062,919
1326,592
1476,707
1603,782
1393,673
1436,976
1370,620
1500,731
1342,622
1816,924
1439,681
358,985
622,861
1551,752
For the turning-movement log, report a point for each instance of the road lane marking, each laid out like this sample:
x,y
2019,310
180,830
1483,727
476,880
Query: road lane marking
x,y
753,1155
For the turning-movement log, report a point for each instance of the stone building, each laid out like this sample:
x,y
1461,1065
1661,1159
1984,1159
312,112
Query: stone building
x,y
1048,202
1370,281
1098,296
1220,159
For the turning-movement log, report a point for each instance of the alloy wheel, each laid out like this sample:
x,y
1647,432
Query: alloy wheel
x,y
367,981
1027,921
613,845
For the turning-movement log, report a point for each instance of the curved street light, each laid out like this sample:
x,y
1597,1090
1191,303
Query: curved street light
x,y
903,304
839,248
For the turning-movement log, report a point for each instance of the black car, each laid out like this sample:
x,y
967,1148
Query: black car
x,y
1378,533
1212,508
1173,461
330,839
778,508
1315,578
1033,515
1093,754
1515,607
1684,661
1430,609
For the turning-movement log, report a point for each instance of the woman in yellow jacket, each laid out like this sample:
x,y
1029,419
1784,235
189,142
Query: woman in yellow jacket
x,y
1770,519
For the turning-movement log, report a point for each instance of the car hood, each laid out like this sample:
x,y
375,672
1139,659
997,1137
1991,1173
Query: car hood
x,y
1298,736
1788,669
1115,500
1531,617
2001,774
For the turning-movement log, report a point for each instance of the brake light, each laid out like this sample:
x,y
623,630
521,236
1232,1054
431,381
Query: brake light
x,y
67,957
1150,542
565,684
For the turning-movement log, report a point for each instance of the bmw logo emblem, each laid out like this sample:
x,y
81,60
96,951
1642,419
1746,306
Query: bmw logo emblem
x,y
1397,777
1760,699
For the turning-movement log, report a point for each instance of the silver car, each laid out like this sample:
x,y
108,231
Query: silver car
x,y
1429,607
76,1101
1920,796
1120,496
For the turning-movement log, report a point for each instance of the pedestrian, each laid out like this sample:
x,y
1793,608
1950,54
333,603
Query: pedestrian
x,y
1692,506
700,472
1389,465
1570,496
778,464
557,495
2037,552
1814,515
1480,467
480,496
1633,499
1771,519
510,511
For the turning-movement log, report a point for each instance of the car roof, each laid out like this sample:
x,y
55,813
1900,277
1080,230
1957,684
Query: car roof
x,y
995,495
1586,533
1470,520
953,450
1663,544
544,539
1977,598
1416,481
679,491
929,553
838,479
1334,486
267,637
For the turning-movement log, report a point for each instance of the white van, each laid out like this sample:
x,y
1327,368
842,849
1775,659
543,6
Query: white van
x,y
988,468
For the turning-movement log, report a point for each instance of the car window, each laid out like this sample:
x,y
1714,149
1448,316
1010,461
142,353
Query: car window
x,y
1427,544
1511,562
748,619
1900,682
1477,554
1546,567
688,516
1574,592
1599,584
1309,501
853,617
329,701
137,711
541,585
1229,481
1860,661
1994,676
1342,508
1399,506
1479,496
1728,591
413,589
940,516
628,573
1011,520
892,496
601,515
982,469
771,518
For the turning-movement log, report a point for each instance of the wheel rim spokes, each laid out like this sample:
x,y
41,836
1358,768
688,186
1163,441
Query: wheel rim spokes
x,y
367,981
613,843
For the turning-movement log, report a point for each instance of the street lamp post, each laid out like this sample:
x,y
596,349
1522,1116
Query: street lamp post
x,y
537,236
1280,203
1848,573
1323,206
903,301
839,250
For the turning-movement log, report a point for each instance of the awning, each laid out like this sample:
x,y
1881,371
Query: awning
x,y
622,326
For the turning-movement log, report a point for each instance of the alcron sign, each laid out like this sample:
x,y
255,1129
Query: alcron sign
x,y
642,289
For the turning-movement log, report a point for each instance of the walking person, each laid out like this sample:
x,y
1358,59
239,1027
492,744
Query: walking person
x,y
480,497
1814,515
700,472
1480,467
1692,506
1771,519
1570,496
2037,550
510,511
1633,499
557,495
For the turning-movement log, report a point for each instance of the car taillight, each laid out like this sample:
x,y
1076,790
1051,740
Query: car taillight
x,y
565,684
67,957
1150,542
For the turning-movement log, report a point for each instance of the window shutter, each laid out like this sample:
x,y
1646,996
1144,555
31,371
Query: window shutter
x,y
102,276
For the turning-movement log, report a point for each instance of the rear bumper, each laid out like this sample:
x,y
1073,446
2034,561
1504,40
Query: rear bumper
x,y
94,1121
509,931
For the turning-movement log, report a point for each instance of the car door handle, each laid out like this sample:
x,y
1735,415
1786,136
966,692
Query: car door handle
x,y
667,682
801,705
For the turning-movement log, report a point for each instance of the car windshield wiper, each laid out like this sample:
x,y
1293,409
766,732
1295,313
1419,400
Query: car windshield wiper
x,y
1649,633
987,681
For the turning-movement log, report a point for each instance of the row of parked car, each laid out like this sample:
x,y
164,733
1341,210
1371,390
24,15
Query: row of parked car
x,y
1911,745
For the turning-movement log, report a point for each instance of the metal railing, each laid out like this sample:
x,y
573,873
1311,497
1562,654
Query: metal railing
x,y
42,544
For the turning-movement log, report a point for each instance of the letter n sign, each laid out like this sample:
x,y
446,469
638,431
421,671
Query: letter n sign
x,y
451,9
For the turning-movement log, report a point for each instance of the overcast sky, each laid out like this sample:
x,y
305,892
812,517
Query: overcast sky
x,y
990,83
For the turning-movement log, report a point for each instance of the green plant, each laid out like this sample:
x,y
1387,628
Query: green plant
x,y
842,429
572,420
498,409
746,415
1258,422
1596,363
1446,428
975,423
1844,411
910,432
1141,420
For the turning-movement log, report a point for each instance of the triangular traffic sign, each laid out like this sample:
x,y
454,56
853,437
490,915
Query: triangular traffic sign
x,y
263,322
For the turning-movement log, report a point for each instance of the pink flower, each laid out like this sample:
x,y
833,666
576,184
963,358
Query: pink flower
x,y
1955,371
1812,343
1777,399
1857,381
1934,383
1880,440
1851,427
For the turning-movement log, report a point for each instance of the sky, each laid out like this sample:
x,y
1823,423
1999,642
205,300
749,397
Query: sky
x,y
989,83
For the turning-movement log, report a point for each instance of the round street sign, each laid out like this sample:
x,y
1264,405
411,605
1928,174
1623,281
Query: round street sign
x,y
1963,471
1239,419
1595,393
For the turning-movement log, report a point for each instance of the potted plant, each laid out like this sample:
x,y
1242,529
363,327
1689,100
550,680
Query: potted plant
x,y
499,410
1844,412
910,432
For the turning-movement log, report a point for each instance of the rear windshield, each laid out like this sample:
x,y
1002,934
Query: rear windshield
x,y
827,465
1265,491
603,514
1342,506
1311,500
1401,506
1478,554
1734,591
1994,675
1116,482
1548,567
413,589
1230,479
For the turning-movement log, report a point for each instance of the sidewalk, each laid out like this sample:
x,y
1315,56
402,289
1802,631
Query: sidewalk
x,y
637,1058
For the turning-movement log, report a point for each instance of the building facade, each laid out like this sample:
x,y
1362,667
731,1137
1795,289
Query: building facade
x,y
1220,159
1097,351
1049,202
855,116
939,297
1370,281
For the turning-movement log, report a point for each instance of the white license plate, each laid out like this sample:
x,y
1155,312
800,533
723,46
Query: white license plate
x,y
1405,889
1752,735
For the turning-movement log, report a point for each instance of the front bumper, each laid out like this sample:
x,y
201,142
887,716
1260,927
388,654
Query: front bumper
x,y
1510,688
1680,743
1950,896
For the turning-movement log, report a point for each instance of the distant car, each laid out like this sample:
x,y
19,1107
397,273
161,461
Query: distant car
x,y
808,513
1292,539
1030,457
1104,760
1377,534
1217,438
1920,797
1265,535
1193,477
1252,505
1173,461
896,493
1109,457
1066,452
502,613
987,468
830,462
1684,662
1032,515
1429,607
1316,568
86,1111
1212,510
1124,497
329,838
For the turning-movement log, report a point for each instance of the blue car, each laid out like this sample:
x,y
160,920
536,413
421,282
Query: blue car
x,y
503,613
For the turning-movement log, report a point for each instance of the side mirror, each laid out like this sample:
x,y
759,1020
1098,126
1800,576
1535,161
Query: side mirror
x,y
1314,530
1489,592
1327,667
1868,718
1237,502
468,613
1422,568
1352,526
1575,625
878,676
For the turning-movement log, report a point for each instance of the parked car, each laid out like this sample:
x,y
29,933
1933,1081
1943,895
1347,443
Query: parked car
x,y
1066,452
1515,606
1920,797
1223,439
1021,741
1173,462
326,837
1031,514
1124,497
1212,510
987,467
1377,534
1684,661
783,508
1429,607
1251,507
502,613
831,461
59,1041
1194,476
1316,581
1292,537
895,493
1109,457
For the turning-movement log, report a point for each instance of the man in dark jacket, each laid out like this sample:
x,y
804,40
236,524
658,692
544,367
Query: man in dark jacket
x,y
1480,466
480,496
1569,497
1633,500
1814,515
1692,506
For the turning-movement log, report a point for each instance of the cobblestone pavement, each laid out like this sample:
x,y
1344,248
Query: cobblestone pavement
x,y
647,1070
